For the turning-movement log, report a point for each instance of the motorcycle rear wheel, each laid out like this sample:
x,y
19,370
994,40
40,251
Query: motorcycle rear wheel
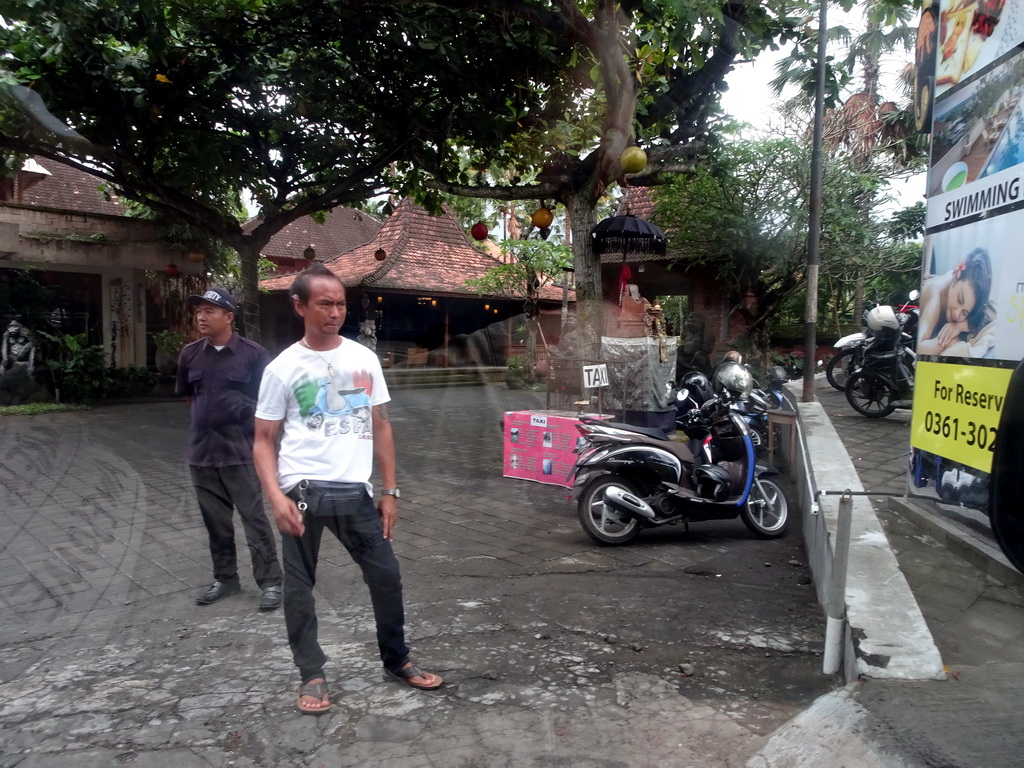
x,y
766,512
839,368
602,522
871,394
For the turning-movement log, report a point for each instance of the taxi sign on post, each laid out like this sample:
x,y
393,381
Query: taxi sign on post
x,y
595,376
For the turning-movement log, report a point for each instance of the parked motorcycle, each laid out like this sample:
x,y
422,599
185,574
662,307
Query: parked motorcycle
x,y
695,390
884,380
849,356
627,478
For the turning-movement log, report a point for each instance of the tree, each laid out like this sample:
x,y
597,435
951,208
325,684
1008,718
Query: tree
x,y
185,106
876,136
529,266
744,214
642,72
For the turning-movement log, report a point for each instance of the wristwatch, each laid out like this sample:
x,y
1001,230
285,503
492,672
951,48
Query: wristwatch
x,y
391,492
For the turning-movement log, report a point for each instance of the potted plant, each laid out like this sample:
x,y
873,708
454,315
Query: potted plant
x,y
168,345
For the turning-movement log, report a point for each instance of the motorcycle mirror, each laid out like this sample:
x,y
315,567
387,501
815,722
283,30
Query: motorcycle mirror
x,y
682,394
915,295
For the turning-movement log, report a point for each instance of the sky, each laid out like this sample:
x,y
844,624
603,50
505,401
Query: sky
x,y
750,100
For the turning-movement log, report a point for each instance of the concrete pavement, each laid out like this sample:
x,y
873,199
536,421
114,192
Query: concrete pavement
x,y
557,652
973,605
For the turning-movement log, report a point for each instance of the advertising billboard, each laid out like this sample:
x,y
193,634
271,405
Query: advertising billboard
x,y
971,331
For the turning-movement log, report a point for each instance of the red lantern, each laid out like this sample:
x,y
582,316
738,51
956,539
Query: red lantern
x,y
171,270
479,231
380,254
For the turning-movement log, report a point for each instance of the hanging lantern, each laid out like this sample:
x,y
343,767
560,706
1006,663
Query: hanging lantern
x,y
310,253
479,231
196,257
171,270
542,218
380,254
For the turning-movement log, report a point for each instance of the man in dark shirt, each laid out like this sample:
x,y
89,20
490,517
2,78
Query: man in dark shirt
x,y
219,375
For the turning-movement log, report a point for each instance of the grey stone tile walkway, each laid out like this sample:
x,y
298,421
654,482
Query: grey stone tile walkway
x,y
556,651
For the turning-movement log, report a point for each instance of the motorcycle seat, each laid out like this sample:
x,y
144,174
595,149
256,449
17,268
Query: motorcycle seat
x,y
657,434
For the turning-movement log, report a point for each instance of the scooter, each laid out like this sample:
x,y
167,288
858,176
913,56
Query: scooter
x,y
695,389
849,357
884,380
628,478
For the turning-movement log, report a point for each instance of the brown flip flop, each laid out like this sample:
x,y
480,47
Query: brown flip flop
x,y
409,671
317,691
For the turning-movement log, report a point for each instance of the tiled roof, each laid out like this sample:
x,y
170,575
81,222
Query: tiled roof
x,y
424,253
343,229
639,201
70,189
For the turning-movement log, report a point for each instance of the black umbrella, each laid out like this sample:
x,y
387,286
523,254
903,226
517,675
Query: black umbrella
x,y
627,234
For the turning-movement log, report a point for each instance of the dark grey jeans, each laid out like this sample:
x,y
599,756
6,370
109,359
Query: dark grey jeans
x,y
347,510
220,490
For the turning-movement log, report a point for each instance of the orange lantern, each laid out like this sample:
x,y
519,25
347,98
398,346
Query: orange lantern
x,y
542,218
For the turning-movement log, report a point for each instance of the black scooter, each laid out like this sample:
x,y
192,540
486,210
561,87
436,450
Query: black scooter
x,y
627,478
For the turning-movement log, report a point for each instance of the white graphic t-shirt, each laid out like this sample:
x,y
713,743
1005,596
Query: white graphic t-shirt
x,y
324,401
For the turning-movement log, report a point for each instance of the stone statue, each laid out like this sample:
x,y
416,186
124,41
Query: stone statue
x,y
695,351
569,343
368,334
18,348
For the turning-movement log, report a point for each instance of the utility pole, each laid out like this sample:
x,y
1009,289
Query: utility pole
x,y
814,228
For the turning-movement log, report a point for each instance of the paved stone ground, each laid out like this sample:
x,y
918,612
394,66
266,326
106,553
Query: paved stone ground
x,y
977,622
557,651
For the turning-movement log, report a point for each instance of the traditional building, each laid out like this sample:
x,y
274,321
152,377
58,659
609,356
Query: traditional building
x,y
78,242
410,282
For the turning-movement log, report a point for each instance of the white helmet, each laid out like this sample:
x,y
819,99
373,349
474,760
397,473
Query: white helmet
x,y
734,379
883,317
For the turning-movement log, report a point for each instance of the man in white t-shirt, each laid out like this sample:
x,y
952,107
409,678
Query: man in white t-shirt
x,y
326,398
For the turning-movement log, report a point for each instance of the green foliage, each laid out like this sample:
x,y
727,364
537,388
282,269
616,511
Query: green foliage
x,y
81,374
35,409
169,341
745,217
184,107
532,264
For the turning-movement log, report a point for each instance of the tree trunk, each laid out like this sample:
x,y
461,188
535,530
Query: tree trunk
x,y
589,308
858,295
249,256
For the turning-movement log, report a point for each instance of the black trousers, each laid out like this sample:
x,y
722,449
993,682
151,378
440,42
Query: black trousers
x,y
220,490
347,511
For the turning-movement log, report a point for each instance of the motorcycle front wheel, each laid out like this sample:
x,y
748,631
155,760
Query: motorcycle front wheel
x,y
601,521
766,512
870,394
839,368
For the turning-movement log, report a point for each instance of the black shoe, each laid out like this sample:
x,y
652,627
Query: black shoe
x,y
219,591
271,598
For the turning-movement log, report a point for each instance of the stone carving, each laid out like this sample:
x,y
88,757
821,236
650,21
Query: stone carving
x,y
18,348
368,334
569,343
17,367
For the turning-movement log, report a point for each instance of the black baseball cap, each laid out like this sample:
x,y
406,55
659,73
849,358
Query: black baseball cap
x,y
216,295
